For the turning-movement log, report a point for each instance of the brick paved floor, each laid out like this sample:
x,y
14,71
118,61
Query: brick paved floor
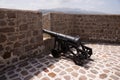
x,y
105,66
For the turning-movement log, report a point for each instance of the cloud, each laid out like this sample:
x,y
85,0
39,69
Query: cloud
x,y
94,5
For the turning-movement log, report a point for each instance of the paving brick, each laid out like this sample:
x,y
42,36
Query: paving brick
x,y
82,71
45,70
23,64
51,66
83,78
69,69
62,73
13,76
75,74
39,75
102,76
117,73
76,67
52,74
29,77
92,75
17,79
24,73
57,70
114,77
94,71
67,77
45,78
3,77
32,70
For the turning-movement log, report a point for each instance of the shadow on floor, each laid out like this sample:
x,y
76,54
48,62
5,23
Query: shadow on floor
x,y
28,69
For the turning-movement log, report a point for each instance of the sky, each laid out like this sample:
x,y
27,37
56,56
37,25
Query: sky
x,y
106,6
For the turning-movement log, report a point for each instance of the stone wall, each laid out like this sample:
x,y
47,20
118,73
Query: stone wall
x,y
95,28
103,28
20,35
58,22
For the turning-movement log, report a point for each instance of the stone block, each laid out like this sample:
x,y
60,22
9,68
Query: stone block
x,y
2,23
1,48
7,30
3,38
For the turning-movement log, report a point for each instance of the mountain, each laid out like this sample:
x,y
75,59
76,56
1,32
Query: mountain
x,y
69,10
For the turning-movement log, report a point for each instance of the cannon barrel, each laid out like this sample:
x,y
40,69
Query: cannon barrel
x,y
63,36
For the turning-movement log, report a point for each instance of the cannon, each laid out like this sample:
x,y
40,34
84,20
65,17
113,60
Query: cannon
x,y
69,46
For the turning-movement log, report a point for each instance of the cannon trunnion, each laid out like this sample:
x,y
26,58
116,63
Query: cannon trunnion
x,y
69,46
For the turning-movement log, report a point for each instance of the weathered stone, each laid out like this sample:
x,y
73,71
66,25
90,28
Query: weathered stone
x,y
39,66
47,63
10,68
21,36
45,78
23,64
13,76
11,14
17,51
24,42
11,23
39,75
62,73
52,74
3,77
58,79
69,69
10,72
29,77
22,57
51,66
7,55
17,79
106,71
82,71
57,70
2,66
94,71
83,78
2,23
1,48
24,73
75,74
12,38
91,75
102,76
23,27
28,67
67,77
76,67
32,40
7,30
17,44
2,38
2,15
114,77
18,70
14,60
45,69
32,70
117,73
35,32
38,38
28,48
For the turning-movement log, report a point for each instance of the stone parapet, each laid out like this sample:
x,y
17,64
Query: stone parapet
x,y
95,28
20,35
